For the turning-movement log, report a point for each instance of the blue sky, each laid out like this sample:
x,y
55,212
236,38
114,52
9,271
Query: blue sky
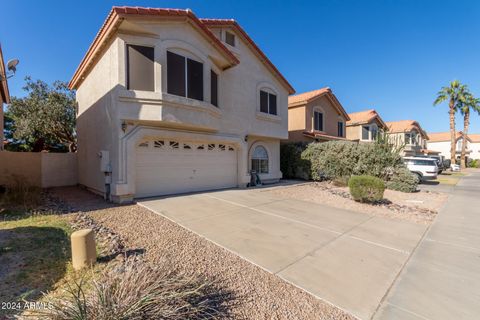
x,y
391,55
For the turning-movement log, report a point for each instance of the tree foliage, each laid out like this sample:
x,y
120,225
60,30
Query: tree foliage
x,y
42,120
455,94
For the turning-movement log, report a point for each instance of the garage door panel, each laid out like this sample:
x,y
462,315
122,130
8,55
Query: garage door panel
x,y
161,169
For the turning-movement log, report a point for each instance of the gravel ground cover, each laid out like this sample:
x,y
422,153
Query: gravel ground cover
x,y
258,293
419,207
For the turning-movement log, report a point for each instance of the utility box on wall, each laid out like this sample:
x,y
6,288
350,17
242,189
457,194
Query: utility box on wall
x,y
104,161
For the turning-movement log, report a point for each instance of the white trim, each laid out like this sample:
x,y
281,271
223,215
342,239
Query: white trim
x,y
259,143
370,126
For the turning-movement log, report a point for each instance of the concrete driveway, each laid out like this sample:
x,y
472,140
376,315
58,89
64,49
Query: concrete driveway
x,y
346,258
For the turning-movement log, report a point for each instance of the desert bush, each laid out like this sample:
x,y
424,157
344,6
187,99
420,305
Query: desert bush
x,y
18,193
402,180
137,290
291,163
341,181
343,158
366,188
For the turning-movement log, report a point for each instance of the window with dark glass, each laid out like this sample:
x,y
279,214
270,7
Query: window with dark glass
x,y
340,129
366,133
317,121
140,68
213,88
230,38
374,133
184,76
268,102
195,79
176,74
260,160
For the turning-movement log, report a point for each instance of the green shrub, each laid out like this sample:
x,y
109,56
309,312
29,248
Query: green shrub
x,y
344,158
291,163
473,163
366,188
402,180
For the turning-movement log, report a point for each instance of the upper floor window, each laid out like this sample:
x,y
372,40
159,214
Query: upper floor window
x,y
365,132
410,138
318,121
340,128
213,88
184,76
230,38
268,102
374,132
140,68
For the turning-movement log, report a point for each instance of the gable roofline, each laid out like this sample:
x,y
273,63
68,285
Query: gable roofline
x,y
219,23
306,97
116,17
405,126
4,92
374,115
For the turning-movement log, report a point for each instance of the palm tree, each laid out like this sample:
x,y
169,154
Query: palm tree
x,y
471,104
455,94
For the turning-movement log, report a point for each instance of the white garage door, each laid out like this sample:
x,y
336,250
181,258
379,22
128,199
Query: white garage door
x,y
166,166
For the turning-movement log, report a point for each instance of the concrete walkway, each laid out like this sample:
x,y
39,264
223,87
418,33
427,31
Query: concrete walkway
x,y
346,258
442,279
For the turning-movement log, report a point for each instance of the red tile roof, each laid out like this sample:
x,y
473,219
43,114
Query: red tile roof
x,y
364,117
474,137
233,24
445,136
405,126
118,14
115,18
306,97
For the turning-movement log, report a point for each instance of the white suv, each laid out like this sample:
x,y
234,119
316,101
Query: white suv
x,y
423,168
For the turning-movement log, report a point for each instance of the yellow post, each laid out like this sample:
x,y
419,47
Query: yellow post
x,y
83,248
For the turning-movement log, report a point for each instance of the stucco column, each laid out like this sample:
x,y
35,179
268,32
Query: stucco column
x,y
242,169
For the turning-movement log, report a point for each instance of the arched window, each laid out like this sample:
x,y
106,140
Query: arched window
x,y
260,160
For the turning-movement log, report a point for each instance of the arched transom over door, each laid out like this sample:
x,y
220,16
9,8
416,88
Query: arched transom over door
x,y
167,166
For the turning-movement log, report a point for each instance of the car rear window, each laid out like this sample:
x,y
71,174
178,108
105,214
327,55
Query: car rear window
x,y
421,162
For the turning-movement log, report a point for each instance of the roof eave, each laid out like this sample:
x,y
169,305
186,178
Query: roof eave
x,y
113,21
263,58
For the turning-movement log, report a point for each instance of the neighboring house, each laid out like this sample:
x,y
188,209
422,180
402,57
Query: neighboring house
x,y
364,126
4,95
316,116
474,146
170,103
409,135
440,141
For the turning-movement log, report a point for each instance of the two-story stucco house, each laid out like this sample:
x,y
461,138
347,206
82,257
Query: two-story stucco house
x,y
474,145
409,135
4,95
316,116
170,103
364,126
440,141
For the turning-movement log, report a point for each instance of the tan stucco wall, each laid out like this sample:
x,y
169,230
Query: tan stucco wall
x,y
301,119
104,103
38,168
353,132
59,169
